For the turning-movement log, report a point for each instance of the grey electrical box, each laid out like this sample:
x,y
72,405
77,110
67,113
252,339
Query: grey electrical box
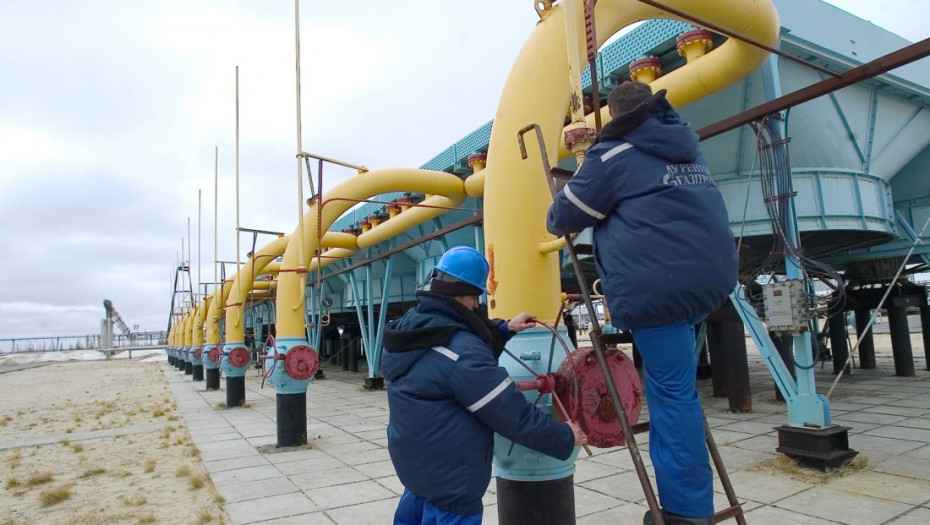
x,y
785,307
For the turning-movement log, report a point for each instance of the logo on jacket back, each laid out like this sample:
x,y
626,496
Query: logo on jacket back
x,y
683,174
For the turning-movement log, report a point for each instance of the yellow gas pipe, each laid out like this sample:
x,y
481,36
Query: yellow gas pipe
x,y
243,283
199,313
538,91
446,192
215,312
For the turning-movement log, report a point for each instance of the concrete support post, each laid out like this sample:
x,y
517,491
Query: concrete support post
x,y
867,346
549,502
726,341
925,329
838,343
901,342
235,391
213,379
292,419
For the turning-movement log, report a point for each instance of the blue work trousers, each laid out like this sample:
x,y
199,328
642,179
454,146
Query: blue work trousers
x,y
677,443
413,510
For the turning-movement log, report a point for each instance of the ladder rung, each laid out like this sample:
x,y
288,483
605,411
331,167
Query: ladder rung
x,y
729,512
616,339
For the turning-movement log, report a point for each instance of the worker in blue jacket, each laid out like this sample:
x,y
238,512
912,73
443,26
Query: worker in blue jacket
x,y
666,259
448,396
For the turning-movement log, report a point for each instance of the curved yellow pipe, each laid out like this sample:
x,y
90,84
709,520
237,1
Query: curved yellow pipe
x,y
188,327
538,91
215,312
728,64
272,268
243,283
444,188
199,314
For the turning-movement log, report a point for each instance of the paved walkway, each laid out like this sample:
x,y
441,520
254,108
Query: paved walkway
x,y
345,475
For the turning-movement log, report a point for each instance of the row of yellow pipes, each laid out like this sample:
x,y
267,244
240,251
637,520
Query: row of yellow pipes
x,y
524,277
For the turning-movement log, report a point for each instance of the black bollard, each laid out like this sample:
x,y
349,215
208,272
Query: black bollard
x,y
292,419
197,372
901,342
549,502
235,391
213,379
188,368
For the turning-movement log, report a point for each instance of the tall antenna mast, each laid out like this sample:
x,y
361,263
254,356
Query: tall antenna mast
x,y
216,200
238,263
300,171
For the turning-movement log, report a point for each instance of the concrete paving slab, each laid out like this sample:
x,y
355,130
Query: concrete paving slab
x,y
257,490
919,516
843,507
344,475
359,493
279,506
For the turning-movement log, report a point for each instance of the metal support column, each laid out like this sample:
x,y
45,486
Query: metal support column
x,y
867,344
901,342
838,343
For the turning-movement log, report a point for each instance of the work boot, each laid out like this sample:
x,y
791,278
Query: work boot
x,y
675,519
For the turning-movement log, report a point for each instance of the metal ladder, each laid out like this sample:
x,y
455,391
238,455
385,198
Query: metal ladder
x,y
599,340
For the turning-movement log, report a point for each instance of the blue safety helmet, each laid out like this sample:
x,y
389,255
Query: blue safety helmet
x,y
465,264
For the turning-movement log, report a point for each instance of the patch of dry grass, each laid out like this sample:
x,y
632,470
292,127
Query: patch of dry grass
x,y
38,478
55,495
789,466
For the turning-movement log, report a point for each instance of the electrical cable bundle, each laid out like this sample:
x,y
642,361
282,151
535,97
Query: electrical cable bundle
x,y
777,192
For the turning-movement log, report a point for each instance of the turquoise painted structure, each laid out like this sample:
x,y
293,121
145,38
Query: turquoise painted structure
x,y
860,162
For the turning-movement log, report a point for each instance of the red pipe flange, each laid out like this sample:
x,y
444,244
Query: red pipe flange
x,y
301,362
239,357
214,354
197,354
587,394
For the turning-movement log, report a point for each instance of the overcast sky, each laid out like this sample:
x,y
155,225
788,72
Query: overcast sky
x,y
110,113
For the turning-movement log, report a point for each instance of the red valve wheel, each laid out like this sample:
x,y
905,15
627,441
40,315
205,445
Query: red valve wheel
x,y
587,394
301,362
214,354
238,357
197,354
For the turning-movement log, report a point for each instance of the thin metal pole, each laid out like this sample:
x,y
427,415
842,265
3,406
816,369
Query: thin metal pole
x,y
300,171
238,264
216,200
199,224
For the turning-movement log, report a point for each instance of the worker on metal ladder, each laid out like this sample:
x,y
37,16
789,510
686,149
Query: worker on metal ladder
x,y
666,258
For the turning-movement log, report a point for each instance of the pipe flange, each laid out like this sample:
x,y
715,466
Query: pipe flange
x,y
197,354
580,134
648,64
214,354
301,362
238,357
695,37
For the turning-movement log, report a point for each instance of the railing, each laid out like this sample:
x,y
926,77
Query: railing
x,y
79,342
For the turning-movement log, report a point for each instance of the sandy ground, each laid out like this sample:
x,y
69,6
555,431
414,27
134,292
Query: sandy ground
x,y
148,472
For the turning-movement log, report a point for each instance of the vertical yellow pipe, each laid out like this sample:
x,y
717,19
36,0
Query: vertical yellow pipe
x,y
243,283
215,312
198,323
538,91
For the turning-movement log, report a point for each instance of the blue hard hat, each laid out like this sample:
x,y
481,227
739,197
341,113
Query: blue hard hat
x,y
465,264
